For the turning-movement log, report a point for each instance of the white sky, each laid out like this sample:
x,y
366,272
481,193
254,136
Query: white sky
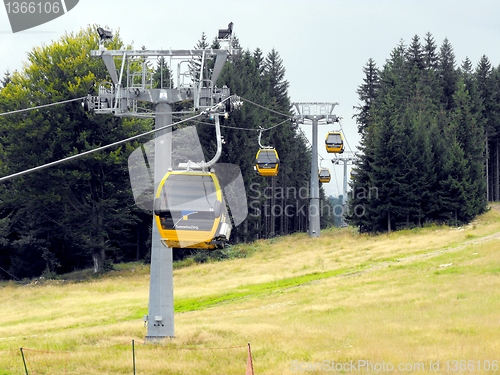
x,y
324,44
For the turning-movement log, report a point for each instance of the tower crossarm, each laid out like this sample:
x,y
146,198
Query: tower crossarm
x,y
132,82
315,111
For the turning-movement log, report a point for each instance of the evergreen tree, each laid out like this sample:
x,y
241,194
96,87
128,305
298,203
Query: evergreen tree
x,y
393,82
379,147
467,75
470,137
276,94
489,113
363,191
430,56
466,71
240,146
494,143
6,79
430,83
162,76
417,164
259,61
415,55
452,181
195,63
447,73
277,86
367,93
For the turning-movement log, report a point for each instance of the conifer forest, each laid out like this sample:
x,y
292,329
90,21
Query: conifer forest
x,y
430,139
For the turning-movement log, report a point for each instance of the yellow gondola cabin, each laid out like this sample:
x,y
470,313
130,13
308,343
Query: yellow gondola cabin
x,y
324,176
334,142
267,162
190,210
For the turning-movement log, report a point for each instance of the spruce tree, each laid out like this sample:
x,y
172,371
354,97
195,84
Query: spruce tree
x,y
470,137
430,56
277,85
495,140
195,64
6,79
430,83
447,73
415,55
367,93
489,110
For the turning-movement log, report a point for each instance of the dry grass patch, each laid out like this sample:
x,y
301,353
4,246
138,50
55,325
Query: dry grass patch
x,y
408,297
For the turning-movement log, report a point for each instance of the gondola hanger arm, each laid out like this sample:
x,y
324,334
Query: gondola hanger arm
x,y
261,129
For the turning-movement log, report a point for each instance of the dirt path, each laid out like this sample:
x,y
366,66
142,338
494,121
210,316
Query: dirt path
x,y
434,253
496,206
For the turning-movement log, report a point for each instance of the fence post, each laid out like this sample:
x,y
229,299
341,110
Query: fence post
x,y
249,370
133,354
24,362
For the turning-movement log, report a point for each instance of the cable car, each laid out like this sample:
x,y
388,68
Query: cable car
x,y
267,162
354,173
334,142
324,175
190,210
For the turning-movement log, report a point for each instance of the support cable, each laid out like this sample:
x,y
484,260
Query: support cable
x,y
41,106
345,136
247,129
85,153
267,109
228,127
310,145
8,273
77,156
275,126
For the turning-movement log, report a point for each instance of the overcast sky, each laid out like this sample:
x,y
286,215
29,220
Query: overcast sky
x,y
324,44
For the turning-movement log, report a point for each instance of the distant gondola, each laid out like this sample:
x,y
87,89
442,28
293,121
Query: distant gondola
x,y
334,142
354,173
267,162
190,210
324,176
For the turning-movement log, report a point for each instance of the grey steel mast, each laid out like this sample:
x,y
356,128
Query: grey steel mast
x,y
315,112
348,158
133,83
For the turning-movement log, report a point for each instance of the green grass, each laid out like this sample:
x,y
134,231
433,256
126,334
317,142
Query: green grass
x,y
416,296
251,291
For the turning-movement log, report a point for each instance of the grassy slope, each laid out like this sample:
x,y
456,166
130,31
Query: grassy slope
x,y
410,297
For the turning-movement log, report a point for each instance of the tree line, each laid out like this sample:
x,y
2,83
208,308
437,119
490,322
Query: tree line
x,y
430,132
82,213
